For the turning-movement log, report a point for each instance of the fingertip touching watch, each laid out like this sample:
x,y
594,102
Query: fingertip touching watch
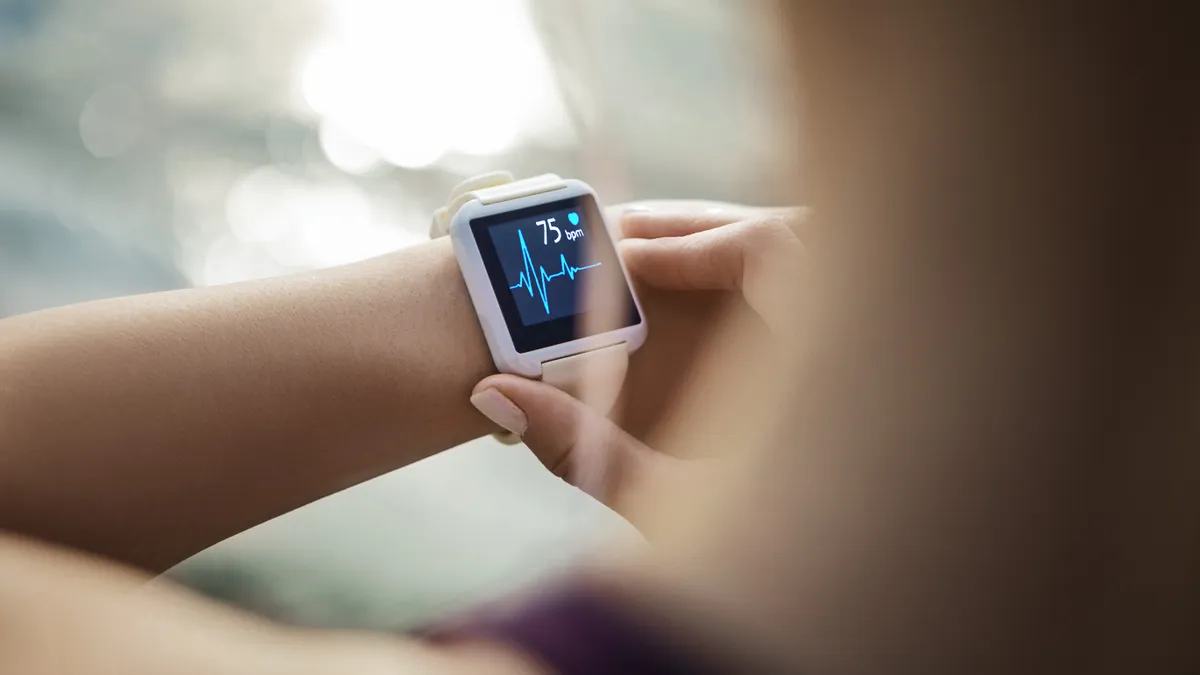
x,y
541,266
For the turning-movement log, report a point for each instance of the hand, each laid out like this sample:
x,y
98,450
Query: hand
x,y
675,247
724,247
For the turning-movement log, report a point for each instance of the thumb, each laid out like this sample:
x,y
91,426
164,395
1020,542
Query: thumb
x,y
576,443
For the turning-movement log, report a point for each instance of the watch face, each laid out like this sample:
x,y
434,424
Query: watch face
x,y
553,267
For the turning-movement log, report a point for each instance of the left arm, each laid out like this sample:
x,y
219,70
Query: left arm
x,y
67,614
148,428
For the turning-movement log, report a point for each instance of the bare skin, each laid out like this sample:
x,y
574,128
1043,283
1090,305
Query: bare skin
x,y
65,613
62,613
147,428
72,613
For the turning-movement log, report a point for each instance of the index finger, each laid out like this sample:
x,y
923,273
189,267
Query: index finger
x,y
651,220
755,257
654,223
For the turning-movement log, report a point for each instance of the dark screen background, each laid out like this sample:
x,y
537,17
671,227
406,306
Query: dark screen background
x,y
549,270
541,285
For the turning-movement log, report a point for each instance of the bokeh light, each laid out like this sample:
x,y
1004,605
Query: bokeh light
x,y
111,121
279,221
346,152
414,81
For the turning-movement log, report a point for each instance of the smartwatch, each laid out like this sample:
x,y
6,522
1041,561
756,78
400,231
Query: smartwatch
x,y
541,266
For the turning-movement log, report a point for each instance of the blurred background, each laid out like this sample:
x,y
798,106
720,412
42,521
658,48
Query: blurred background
x,y
157,144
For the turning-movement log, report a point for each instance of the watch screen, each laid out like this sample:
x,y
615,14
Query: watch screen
x,y
552,266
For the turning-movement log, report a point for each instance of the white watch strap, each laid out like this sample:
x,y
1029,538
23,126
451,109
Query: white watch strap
x,y
594,377
490,188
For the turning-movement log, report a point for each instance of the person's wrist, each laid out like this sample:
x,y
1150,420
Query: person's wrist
x,y
418,333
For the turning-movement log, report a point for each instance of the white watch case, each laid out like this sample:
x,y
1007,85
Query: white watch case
x,y
479,285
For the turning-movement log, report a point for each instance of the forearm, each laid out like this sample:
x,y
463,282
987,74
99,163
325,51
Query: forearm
x,y
147,428
65,614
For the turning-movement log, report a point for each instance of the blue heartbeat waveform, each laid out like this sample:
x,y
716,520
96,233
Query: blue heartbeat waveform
x,y
538,279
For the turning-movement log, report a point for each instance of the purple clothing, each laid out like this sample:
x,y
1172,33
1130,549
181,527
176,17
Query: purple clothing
x,y
576,631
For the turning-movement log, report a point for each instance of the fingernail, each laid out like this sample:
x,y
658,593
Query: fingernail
x,y
498,408
637,208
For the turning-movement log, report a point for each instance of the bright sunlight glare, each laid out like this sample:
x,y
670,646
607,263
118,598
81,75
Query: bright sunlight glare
x,y
411,81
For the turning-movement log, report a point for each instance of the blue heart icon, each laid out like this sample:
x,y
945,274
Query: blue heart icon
x,y
573,217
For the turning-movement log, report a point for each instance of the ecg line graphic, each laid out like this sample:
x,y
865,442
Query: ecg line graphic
x,y
531,278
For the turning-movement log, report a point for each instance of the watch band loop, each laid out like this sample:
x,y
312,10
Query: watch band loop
x,y
489,188
440,226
